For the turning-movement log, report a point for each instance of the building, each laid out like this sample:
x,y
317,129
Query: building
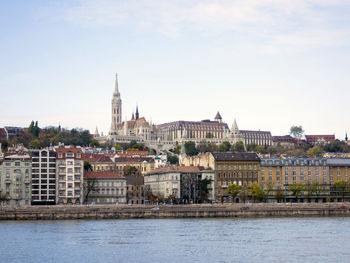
x,y
105,187
286,141
43,177
135,192
235,168
143,164
319,139
100,162
15,179
123,132
197,131
179,182
282,173
167,136
69,175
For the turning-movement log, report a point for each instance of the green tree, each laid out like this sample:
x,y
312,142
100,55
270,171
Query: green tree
x,y
34,144
173,159
94,143
204,190
224,147
296,190
177,149
296,132
315,151
190,148
118,147
257,192
233,190
87,166
238,147
340,188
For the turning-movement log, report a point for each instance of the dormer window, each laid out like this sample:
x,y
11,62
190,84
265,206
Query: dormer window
x,y
70,155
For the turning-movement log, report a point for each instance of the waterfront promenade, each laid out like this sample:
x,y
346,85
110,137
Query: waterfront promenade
x,y
174,211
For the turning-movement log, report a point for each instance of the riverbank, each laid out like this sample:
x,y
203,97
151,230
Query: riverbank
x,y
175,211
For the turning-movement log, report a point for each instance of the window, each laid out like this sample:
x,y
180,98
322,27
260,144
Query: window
x,y
17,163
70,155
60,155
338,174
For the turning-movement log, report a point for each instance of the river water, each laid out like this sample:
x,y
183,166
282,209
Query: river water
x,y
177,240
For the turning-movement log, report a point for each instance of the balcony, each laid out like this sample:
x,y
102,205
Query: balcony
x,y
8,180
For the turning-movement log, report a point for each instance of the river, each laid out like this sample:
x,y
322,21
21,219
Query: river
x,y
177,240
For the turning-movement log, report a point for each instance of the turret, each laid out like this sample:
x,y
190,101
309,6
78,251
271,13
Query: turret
x,y
218,117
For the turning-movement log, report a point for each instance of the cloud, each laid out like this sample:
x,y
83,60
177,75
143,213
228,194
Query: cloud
x,y
279,20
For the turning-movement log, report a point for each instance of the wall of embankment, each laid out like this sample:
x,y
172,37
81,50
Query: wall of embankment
x,y
175,211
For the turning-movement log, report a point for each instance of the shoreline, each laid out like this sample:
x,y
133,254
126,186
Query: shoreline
x,y
248,210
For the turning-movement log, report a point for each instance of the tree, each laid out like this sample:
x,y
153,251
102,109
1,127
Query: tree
x,y
173,159
315,151
224,147
238,147
94,143
296,190
87,166
131,170
257,192
34,144
4,198
340,189
204,190
118,147
296,132
177,149
279,194
190,148
90,187
233,190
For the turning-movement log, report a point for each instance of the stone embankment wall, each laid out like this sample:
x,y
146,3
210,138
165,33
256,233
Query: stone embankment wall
x,y
175,211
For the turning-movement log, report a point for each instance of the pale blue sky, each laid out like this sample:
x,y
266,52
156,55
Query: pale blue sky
x,y
268,63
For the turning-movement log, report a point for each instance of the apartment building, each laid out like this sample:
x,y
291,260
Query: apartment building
x,y
43,177
69,175
15,179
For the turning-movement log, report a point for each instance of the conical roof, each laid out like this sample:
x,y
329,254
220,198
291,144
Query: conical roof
x,y
218,116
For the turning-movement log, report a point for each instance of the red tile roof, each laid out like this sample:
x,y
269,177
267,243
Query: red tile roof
x,y
102,174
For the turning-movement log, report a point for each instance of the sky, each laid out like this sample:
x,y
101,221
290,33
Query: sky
x,y
270,64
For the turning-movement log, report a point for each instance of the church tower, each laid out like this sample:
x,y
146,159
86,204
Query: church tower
x,y
116,109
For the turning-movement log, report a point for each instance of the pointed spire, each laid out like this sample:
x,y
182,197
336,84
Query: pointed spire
x,y
137,112
133,117
96,132
346,136
116,88
234,128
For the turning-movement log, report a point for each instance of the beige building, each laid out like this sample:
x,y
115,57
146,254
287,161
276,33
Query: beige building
x,y
69,172
15,179
179,181
105,187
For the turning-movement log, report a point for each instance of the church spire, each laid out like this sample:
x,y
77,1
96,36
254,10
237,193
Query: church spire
x,y
137,113
234,128
116,88
346,136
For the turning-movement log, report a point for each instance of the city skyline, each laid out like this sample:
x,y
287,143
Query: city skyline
x,y
178,61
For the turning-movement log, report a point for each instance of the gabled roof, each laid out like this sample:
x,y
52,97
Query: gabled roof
x,y
239,156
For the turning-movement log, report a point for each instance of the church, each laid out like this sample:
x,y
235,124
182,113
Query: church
x,y
168,135
123,132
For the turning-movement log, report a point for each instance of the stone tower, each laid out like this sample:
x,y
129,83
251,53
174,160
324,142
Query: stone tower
x,y
116,109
